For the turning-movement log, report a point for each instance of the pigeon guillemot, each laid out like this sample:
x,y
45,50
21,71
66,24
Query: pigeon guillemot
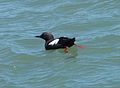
x,y
52,43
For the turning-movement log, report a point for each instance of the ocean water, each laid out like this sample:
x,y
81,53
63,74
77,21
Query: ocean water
x,y
24,63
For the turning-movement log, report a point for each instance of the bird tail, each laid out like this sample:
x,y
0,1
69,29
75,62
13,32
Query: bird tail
x,y
73,39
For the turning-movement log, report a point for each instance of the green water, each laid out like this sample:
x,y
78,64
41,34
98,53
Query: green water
x,y
24,63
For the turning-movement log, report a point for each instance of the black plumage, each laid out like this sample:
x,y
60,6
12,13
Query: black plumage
x,y
56,43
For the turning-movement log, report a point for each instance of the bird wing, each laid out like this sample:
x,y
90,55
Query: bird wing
x,y
54,44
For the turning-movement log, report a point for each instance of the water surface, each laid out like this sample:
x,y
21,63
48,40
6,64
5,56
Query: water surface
x,y
24,63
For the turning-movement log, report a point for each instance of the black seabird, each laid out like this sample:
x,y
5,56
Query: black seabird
x,y
56,43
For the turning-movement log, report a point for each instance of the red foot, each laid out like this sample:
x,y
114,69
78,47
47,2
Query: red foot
x,y
81,46
66,49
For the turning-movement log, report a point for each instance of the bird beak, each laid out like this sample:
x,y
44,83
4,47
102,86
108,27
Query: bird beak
x,y
38,36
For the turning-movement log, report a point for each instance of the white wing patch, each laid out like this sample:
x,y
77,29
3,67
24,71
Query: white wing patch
x,y
54,42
